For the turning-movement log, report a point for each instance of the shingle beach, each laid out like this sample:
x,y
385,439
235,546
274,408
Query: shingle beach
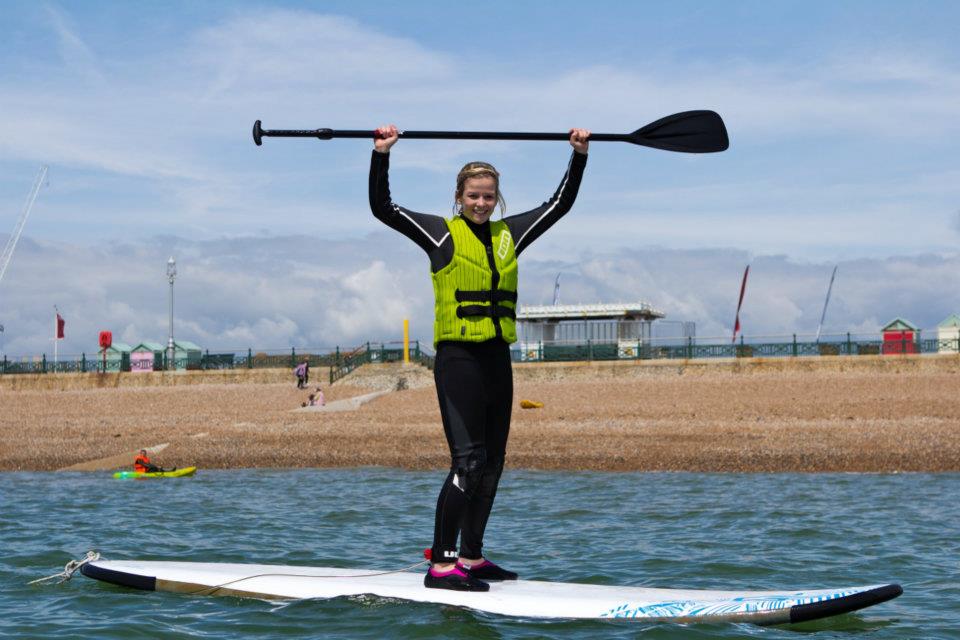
x,y
769,417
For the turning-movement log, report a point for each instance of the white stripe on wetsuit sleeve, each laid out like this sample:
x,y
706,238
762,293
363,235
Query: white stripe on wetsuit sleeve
x,y
422,230
566,179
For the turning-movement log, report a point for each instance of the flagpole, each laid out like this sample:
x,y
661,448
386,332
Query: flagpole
x,y
825,303
743,290
56,332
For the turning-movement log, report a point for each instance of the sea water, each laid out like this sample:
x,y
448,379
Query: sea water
x,y
676,530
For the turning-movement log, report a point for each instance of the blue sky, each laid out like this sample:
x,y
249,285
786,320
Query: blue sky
x,y
842,119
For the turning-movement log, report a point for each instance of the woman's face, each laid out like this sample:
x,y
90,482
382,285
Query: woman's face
x,y
479,198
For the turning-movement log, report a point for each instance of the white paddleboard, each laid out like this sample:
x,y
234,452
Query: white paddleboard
x,y
527,598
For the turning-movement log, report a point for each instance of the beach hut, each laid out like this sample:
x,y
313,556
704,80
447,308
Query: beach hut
x,y
147,356
186,354
948,334
115,358
900,336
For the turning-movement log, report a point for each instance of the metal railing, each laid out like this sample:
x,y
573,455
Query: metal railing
x,y
341,363
373,352
757,347
205,360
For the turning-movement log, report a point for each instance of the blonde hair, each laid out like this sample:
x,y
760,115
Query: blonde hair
x,y
478,170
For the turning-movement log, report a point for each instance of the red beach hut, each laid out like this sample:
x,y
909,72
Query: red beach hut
x,y
900,336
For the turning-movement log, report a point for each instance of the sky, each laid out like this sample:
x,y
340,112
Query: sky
x,y
842,119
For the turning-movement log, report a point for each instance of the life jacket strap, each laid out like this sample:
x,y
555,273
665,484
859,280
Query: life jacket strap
x,y
493,311
492,296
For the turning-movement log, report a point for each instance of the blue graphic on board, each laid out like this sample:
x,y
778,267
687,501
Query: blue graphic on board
x,y
748,604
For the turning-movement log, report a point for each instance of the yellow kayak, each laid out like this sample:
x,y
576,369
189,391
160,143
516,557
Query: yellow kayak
x,y
176,473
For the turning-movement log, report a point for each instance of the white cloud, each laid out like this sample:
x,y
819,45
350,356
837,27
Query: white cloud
x,y
372,302
293,52
276,292
163,114
159,142
74,52
783,296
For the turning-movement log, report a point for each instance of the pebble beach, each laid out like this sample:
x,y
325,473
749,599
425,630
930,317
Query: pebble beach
x,y
772,419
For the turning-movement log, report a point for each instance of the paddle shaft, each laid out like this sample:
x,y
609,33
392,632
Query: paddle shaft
x,y
327,134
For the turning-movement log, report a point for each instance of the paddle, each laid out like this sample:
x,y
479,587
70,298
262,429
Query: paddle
x,y
688,132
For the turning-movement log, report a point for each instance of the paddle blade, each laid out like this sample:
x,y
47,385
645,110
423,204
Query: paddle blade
x,y
689,132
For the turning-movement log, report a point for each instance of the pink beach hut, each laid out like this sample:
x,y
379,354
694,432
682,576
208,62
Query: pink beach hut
x,y
146,357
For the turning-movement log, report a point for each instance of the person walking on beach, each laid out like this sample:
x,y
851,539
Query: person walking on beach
x,y
301,371
473,261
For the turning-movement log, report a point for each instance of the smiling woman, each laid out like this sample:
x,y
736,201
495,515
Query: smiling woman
x,y
474,267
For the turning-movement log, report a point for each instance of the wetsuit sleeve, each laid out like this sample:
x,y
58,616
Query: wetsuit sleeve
x,y
527,227
428,231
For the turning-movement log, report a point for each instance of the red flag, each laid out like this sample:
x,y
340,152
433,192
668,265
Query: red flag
x,y
743,290
60,323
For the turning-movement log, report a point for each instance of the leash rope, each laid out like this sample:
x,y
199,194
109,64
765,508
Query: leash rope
x,y
69,569
92,556
211,590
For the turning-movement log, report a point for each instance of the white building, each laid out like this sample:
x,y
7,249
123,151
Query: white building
x,y
948,334
584,331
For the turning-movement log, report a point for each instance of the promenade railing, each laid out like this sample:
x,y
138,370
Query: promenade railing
x,y
690,348
341,362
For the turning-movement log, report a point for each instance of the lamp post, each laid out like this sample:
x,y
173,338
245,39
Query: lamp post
x,y
171,274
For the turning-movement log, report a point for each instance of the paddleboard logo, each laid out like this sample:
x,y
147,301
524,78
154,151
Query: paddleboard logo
x,y
505,240
743,604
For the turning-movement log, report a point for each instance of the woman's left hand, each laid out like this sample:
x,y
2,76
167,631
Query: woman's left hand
x,y
580,139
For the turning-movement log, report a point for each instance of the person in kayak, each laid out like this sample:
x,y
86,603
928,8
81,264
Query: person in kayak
x,y
142,463
473,261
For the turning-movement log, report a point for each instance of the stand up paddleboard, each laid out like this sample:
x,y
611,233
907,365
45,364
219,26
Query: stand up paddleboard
x,y
527,598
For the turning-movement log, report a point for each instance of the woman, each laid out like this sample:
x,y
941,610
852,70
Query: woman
x,y
473,261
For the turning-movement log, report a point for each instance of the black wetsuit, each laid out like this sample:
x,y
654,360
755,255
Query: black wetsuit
x,y
474,379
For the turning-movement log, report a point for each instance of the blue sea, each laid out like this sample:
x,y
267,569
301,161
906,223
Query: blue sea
x,y
677,530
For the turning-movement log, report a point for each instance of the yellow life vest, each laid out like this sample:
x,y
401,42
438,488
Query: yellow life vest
x,y
467,308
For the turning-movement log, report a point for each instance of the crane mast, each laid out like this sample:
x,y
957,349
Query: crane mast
x,y
18,229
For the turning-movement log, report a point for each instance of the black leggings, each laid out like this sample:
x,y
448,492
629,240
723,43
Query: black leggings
x,y
475,390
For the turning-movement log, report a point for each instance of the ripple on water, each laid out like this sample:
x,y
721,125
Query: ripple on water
x,y
668,530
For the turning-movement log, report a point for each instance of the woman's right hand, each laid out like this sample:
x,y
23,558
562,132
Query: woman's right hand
x,y
385,137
